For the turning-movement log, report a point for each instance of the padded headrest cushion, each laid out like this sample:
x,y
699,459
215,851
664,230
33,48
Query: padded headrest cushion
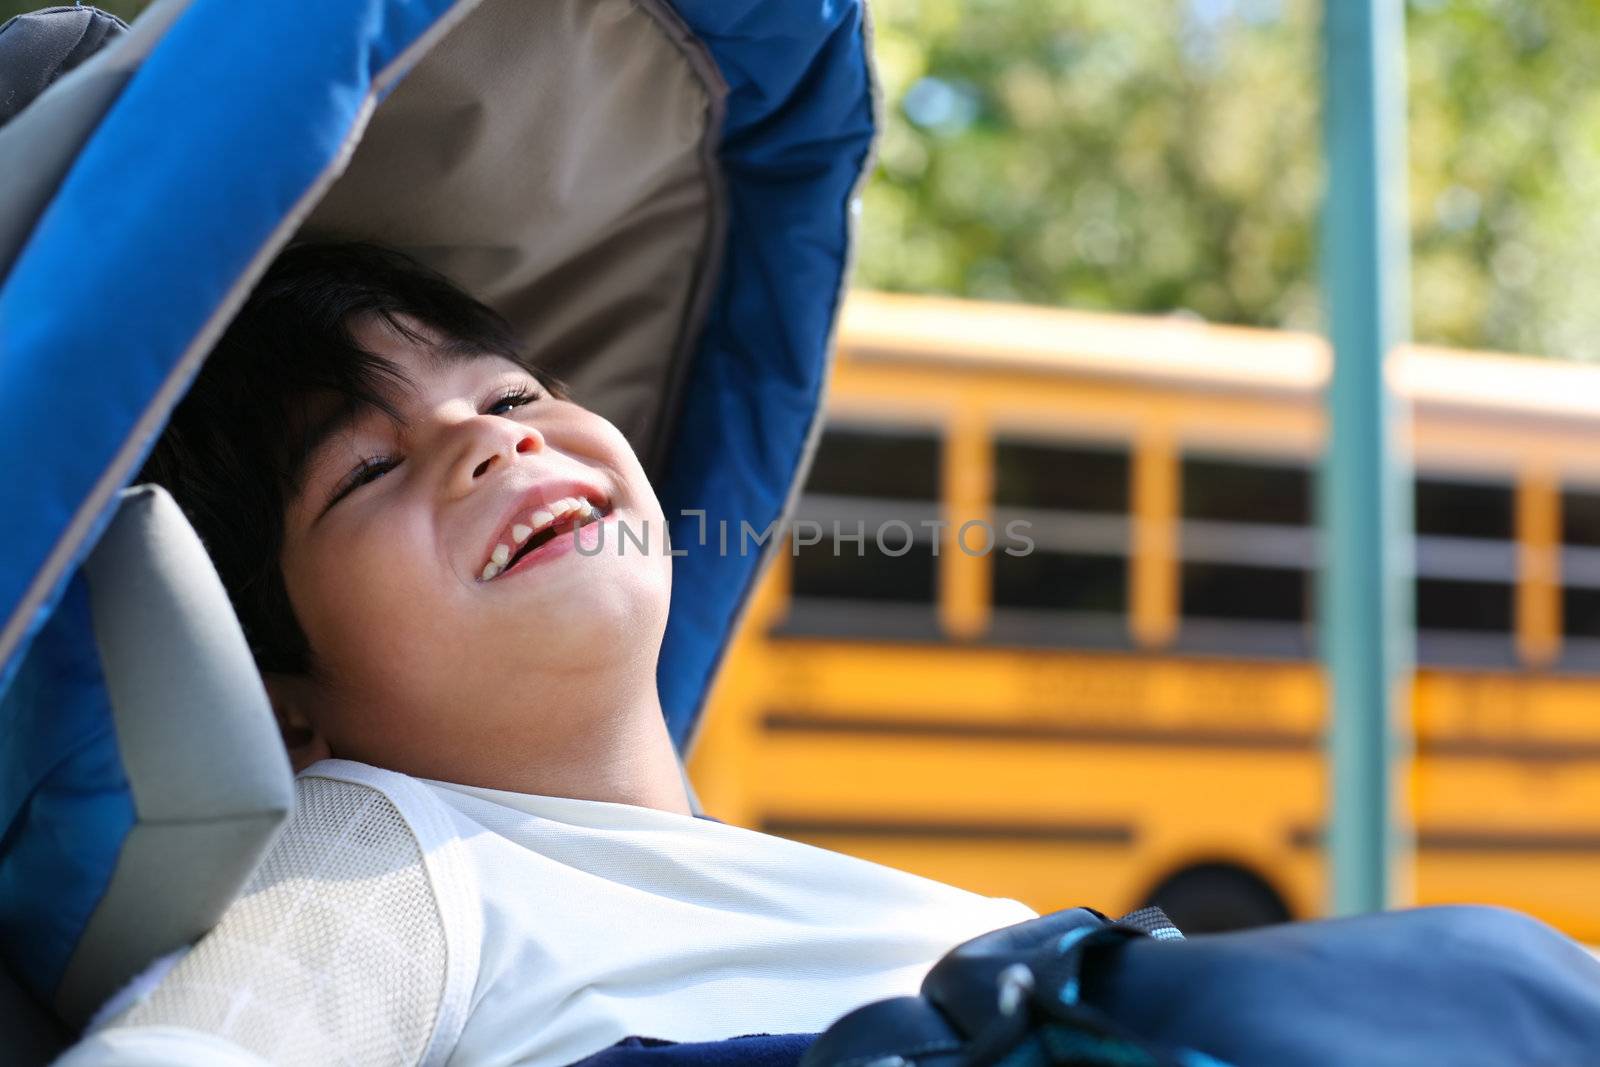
x,y
40,46
141,773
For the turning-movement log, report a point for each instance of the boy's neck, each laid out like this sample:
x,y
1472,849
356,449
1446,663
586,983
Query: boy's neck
x,y
629,759
622,756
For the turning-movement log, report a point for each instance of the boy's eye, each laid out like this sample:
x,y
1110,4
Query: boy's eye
x,y
512,400
370,470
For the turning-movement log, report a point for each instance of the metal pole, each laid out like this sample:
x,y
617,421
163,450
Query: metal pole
x,y
1365,493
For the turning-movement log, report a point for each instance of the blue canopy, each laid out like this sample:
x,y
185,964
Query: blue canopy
x,y
169,171
223,142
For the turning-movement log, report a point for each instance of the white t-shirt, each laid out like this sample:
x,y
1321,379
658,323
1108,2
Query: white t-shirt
x,y
403,921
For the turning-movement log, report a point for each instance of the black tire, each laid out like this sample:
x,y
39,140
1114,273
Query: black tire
x,y
1213,897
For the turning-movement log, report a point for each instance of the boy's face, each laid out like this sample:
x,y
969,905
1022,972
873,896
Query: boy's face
x,y
421,663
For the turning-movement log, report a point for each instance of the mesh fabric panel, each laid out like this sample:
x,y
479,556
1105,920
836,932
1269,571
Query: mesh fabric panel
x,y
334,954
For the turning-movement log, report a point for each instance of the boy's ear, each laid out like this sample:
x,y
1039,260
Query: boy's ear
x,y
291,698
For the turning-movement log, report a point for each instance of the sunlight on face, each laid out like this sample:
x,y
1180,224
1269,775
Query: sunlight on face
x,y
420,663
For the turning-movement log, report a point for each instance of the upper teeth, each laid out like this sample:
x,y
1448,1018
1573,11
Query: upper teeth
x,y
539,520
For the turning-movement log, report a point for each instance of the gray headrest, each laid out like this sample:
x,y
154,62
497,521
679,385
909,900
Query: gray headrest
x,y
209,777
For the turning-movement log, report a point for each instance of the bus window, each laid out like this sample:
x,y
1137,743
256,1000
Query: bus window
x,y
1580,612
1236,591
868,510
1466,570
1580,518
1448,604
1449,508
1580,577
879,462
1071,588
1030,474
1069,581
1230,490
1247,554
846,574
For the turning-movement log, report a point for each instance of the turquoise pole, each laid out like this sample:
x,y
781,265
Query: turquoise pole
x,y
1365,489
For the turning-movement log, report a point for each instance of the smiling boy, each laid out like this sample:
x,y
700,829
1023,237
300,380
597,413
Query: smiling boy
x,y
380,461
493,857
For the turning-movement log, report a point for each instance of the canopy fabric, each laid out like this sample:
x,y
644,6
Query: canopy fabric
x,y
660,198
240,123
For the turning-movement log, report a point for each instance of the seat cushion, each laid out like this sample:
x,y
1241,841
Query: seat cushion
x,y
141,777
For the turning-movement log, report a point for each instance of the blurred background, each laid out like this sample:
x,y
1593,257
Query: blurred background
x,y
1166,157
1087,301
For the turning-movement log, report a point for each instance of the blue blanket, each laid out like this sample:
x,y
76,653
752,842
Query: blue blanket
x,y
1463,986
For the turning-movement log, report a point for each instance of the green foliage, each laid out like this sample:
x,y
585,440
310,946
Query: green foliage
x,y
1165,155
1097,153
1505,174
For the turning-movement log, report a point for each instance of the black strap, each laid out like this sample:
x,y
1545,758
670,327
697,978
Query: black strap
x,y
1041,1017
1011,997
1154,922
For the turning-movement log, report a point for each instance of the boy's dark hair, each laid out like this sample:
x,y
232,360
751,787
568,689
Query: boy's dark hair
x,y
234,452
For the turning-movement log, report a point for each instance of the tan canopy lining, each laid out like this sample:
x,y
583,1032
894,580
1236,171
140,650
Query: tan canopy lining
x,y
557,160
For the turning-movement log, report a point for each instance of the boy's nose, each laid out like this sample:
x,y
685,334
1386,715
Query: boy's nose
x,y
527,441
488,443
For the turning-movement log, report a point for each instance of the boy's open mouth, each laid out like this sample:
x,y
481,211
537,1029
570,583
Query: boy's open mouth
x,y
542,526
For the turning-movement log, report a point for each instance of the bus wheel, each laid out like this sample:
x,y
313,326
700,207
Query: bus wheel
x,y
1213,897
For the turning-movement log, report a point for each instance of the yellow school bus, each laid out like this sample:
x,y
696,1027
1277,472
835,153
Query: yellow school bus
x,y
1128,708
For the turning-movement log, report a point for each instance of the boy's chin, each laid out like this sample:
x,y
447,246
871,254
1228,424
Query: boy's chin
x,y
607,617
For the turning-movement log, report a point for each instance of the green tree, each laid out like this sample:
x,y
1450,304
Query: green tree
x,y
1099,154
1165,156
1505,174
